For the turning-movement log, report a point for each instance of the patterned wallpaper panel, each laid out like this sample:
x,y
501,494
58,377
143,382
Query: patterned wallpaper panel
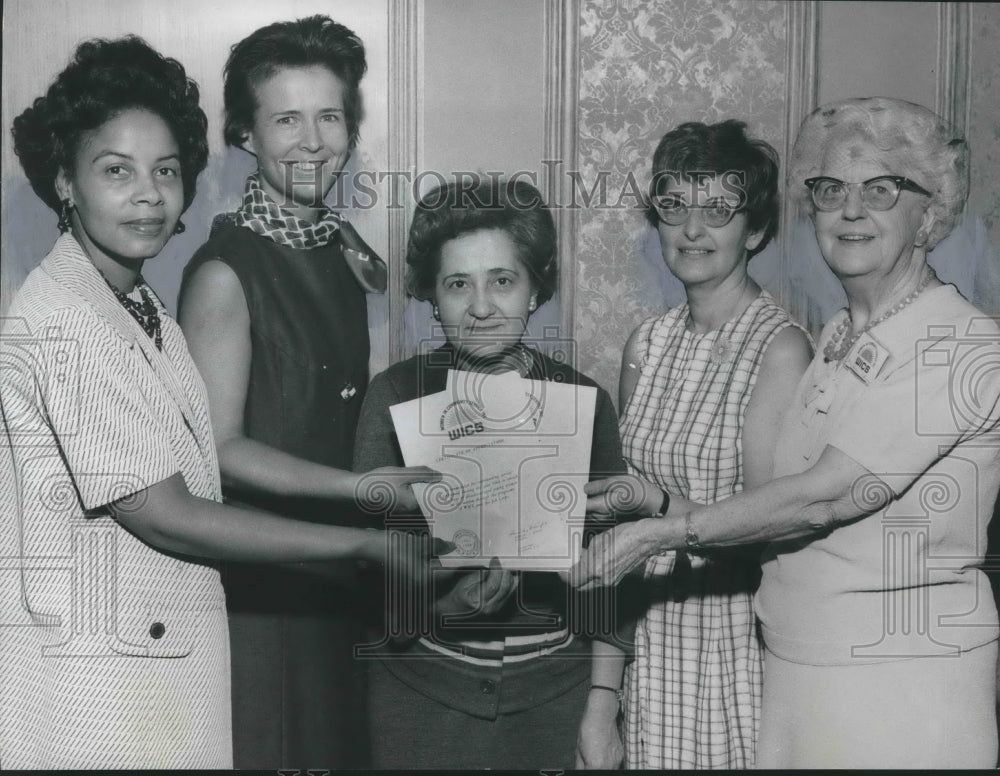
x,y
644,68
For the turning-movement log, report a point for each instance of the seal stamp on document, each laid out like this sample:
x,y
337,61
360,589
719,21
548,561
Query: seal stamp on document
x,y
466,542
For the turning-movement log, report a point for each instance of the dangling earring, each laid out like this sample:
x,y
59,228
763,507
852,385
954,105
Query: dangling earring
x,y
436,313
179,228
532,305
64,215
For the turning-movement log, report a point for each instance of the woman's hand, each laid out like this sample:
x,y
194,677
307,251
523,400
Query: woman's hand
x,y
388,489
479,591
614,553
622,494
412,553
599,742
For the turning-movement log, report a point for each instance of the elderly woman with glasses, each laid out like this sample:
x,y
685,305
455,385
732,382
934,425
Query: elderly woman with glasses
x,y
879,626
702,388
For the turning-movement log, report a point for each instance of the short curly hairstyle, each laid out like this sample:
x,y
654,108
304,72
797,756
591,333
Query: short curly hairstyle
x,y
313,40
722,149
104,79
458,208
912,141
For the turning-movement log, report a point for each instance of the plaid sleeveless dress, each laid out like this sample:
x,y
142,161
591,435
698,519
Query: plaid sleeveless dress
x,y
693,692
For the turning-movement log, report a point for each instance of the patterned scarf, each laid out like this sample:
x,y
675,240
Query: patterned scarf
x,y
261,214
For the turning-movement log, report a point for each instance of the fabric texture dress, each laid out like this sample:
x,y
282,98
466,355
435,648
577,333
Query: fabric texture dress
x,y
298,692
113,655
693,691
505,690
881,633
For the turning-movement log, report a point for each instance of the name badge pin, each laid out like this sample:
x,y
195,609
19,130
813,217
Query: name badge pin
x,y
867,358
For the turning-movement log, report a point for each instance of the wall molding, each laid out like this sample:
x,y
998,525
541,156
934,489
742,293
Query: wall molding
x,y
954,64
561,97
405,90
801,87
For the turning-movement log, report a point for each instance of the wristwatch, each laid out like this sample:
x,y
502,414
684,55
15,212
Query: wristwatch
x,y
691,540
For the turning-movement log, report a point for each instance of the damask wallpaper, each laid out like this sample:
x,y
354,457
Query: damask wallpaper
x,y
644,68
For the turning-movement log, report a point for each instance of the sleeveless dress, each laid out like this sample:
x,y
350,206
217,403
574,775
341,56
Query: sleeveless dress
x,y
298,692
693,691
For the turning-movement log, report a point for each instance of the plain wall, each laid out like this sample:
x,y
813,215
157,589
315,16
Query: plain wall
x,y
877,49
482,106
482,86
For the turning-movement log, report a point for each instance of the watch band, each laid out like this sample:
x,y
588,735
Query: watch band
x,y
618,693
691,540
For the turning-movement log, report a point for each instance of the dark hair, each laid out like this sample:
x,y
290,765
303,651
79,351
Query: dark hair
x,y
723,148
314,40
104,79
513,206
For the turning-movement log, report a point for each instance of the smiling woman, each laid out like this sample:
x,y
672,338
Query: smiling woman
x,y
483,293
702,388
109,499
879,627
300,137
498,678
126,193
274,309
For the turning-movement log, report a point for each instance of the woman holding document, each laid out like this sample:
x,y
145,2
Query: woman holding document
x,y
506,687
702,390
273,307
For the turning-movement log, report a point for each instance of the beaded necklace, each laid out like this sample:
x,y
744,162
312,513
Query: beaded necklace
x,y
516,358
144,312
840,344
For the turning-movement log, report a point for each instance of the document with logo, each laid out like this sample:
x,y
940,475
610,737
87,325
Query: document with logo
x,y
514,454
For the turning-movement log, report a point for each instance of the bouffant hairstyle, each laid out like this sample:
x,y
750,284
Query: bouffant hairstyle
x,y
725,150
314,40
513,206
911,141
104,79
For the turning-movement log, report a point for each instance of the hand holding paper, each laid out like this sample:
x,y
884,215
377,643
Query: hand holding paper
x,y
514,455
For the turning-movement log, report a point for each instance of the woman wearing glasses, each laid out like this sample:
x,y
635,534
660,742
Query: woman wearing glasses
x,y
702,388
879,627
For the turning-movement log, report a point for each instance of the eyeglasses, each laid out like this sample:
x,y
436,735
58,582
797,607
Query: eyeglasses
x,y
674,212
880,193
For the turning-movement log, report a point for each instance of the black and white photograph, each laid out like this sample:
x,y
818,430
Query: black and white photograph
x,y
517,385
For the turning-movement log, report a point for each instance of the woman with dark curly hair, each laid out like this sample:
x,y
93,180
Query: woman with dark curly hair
x,y
274,310
504,683
114,643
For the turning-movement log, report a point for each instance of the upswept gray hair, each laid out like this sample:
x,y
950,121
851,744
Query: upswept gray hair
x,y
915,142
